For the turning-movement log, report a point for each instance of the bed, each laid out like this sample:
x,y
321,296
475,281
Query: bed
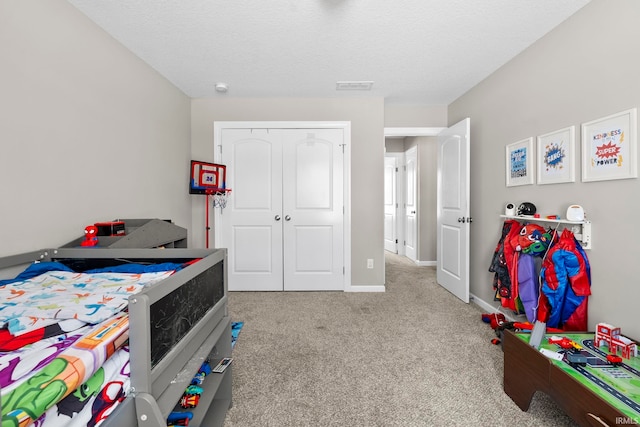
x,y
176,321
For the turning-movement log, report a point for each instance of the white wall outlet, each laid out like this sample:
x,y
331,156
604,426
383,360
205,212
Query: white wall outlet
x,y
370,263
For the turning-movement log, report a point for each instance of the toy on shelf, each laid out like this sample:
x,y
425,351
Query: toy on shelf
x,y
177,418
609,334
90,236
189,400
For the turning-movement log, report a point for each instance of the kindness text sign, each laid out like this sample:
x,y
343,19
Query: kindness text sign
x,y
609,147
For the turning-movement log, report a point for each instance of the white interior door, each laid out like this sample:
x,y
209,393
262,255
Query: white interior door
x,y
313,209
453,217
390,204
411,204
284,223
250,227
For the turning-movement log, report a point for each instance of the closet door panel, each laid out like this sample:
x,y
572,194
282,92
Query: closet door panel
x,y
312,202
248,223
313,175
254,256
314,249
253,176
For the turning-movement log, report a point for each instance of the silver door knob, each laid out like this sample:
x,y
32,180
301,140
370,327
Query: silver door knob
x,y
287,218
413,212
277,218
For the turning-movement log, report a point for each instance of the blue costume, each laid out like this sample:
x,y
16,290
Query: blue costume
x,y
566,285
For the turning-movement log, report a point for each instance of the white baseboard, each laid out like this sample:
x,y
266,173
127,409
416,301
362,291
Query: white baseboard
x,y
491,308
365,288
427,263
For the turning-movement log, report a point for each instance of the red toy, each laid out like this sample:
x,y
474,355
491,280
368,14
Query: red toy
x,y
615,360
494,319
610,335
189,400
565,343
90,236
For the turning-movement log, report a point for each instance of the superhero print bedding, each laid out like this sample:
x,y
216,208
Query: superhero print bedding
x,y
39,378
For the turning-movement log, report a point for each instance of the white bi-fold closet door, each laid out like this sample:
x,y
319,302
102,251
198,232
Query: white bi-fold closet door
x,y
284,223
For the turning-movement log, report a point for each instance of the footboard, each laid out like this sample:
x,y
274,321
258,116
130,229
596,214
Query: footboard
x,y
175,327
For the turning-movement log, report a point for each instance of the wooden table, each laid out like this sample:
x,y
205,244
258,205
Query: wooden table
x,y
526,371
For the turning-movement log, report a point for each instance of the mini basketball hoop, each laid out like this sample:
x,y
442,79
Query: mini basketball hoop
x,y
210,179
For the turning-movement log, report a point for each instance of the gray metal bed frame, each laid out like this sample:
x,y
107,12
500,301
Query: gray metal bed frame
x,y
156,389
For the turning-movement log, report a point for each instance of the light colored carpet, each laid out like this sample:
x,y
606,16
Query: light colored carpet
x,y
412,356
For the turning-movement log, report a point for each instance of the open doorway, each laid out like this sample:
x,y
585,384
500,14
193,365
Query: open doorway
x,y
393,198
410,193
450,173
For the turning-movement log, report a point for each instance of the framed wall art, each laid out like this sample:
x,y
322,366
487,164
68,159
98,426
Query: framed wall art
x,y
519,158
609,147
556,156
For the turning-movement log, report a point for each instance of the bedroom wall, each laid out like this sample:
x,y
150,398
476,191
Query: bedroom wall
x,y
367,161
585,69
88,131
409,116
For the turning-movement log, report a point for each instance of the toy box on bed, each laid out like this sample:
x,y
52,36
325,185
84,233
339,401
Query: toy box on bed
x,y
175,325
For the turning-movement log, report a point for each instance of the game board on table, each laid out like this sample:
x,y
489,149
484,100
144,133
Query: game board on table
x,y
618,384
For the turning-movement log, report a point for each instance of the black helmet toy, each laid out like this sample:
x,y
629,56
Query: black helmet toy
x,y
527,209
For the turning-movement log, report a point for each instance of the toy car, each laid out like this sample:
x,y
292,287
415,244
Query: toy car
x,y
614,359
189,400
179,418
193,389
576,359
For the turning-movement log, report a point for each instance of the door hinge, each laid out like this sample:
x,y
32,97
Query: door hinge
x,y
396,241
343,272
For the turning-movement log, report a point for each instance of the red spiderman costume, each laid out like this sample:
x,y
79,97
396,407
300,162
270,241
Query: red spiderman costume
x,y
566,285
504,258
516,287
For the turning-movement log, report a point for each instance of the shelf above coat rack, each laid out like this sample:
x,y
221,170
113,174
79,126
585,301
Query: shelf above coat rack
x,y
580,229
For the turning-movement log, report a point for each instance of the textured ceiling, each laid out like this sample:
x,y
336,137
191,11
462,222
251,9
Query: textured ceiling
x,y
416,51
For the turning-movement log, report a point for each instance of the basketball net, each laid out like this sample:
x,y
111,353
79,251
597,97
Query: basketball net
x,y
220,198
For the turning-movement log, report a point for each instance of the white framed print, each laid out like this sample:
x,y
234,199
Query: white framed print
x,y
609,147
519,158
556,156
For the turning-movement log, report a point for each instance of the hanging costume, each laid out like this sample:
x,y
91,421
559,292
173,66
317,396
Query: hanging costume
x,y
498,265
566,285
515,280
528,285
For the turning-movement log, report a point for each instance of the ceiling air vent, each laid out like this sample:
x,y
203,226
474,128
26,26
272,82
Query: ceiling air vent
x,y
354,85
